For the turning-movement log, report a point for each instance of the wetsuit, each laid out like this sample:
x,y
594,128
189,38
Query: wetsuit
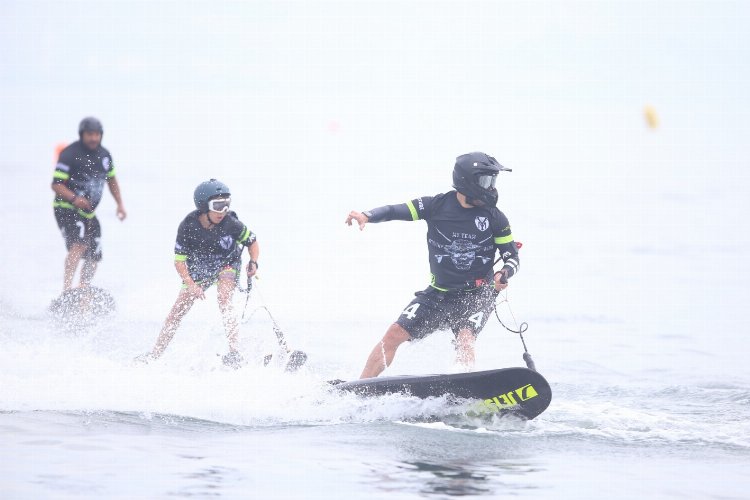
x,y
462,244
84,172
208,251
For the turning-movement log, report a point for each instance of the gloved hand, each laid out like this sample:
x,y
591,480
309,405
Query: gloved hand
x,y
501,280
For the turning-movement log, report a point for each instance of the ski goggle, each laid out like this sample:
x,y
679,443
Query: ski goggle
x,y
220,205
486,181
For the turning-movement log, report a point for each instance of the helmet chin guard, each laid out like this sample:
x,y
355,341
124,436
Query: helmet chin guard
x,y
474,176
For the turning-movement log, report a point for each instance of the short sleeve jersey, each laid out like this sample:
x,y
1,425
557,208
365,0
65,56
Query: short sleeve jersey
x,y
207,251
462,241
84,172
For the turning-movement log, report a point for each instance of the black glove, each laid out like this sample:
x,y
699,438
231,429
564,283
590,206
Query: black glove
x,y
503,276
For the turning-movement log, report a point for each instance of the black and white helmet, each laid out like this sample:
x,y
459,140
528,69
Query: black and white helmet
x,y
474,176
207,190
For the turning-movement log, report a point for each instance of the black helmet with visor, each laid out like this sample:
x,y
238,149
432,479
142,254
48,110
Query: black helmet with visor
x,y
475,176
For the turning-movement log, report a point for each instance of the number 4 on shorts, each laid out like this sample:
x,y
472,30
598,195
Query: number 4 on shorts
x,y
477,319
410,311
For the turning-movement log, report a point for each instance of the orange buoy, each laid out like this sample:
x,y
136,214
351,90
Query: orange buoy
x,y
58,149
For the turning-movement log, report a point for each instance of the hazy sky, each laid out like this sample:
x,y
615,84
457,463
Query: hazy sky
x,y
517,65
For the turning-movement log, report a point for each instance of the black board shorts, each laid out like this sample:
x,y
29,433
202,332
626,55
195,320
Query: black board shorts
x,y
433,310
206,277
78,229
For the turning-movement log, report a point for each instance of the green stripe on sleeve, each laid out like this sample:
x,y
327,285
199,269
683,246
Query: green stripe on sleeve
x,y
111,174
61,175
412,210
180,258
501,240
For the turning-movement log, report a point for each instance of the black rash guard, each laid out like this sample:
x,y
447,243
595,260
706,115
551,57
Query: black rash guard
x,y
84,172
207,251
461,241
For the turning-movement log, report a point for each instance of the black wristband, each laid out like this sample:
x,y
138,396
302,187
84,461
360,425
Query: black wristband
x,y
254,262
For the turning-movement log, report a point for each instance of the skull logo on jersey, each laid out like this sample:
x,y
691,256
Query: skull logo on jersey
x,y
461,252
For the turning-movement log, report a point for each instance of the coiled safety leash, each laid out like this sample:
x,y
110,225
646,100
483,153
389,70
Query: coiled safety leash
x,y
519,329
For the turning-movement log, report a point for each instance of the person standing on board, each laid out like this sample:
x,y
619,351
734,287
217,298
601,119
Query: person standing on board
x,y
78,182
208,250
465,230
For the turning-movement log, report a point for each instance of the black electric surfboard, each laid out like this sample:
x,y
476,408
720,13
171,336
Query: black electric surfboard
x,y
519,391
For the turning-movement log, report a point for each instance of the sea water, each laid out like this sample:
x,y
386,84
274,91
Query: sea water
x,y
633,266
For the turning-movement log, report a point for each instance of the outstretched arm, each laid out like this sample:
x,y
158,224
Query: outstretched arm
x,y
381,214
361,219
